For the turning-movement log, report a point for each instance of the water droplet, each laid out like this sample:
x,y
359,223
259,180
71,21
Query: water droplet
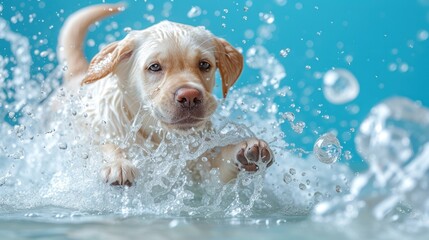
x,y
338,188
267,17
62,146
292,171
298,127
340,86
347,155
246,181
173,223
287,178
289,116
150,7
318,197
307,67
195,11
127,29
149,18
44,53
392,67
11,115
285,52
281,2
302,186
403,67
327,148
18,154
422,35
349,59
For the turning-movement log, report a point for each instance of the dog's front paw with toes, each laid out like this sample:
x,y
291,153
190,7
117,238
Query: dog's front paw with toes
x,y
120,173
252,153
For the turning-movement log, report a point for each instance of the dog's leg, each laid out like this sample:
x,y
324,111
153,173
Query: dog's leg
x,y
118,170
243,156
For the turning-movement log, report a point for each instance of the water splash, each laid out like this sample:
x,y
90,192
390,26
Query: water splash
x,y
51,163
394,140
257,57
46,161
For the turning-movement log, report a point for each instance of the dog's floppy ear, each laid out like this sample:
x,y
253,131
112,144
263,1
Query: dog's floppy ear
x,y
230,64
107,59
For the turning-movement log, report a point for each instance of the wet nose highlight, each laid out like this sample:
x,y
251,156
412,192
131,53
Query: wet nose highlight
x,y
188,97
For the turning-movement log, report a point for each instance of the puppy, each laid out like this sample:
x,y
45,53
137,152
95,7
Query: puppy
x,y
167,71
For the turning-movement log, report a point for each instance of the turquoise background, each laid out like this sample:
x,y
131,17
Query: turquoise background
x,y
371,31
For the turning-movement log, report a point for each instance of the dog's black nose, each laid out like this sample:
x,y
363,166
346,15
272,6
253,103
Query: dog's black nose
x,y
188,97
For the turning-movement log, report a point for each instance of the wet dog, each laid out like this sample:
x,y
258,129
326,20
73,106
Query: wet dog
x,y
170,69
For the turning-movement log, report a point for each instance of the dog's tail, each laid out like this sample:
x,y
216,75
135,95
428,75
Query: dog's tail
x,y
72,35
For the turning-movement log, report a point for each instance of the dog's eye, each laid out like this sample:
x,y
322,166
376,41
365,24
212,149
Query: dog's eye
x,y
205,66
155,67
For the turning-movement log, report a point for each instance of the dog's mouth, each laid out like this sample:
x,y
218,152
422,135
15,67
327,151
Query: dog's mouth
x,y
186,124
185,121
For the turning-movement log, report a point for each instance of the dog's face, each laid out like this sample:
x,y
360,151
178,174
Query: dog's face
x,y
171,68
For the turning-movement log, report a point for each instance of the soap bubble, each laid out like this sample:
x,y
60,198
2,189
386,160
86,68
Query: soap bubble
x,y
327,148
340,86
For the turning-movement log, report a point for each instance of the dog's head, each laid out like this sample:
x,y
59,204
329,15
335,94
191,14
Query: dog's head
x,y
171,68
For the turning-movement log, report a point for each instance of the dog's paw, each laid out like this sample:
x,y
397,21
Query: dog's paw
x,y
252,153
120,173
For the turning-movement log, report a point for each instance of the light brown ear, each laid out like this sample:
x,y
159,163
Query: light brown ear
x,y
107,59
230,64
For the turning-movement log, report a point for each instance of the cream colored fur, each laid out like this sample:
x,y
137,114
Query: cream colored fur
x,y
120,86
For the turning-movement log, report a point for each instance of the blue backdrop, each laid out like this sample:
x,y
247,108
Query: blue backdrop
x,y
382,42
